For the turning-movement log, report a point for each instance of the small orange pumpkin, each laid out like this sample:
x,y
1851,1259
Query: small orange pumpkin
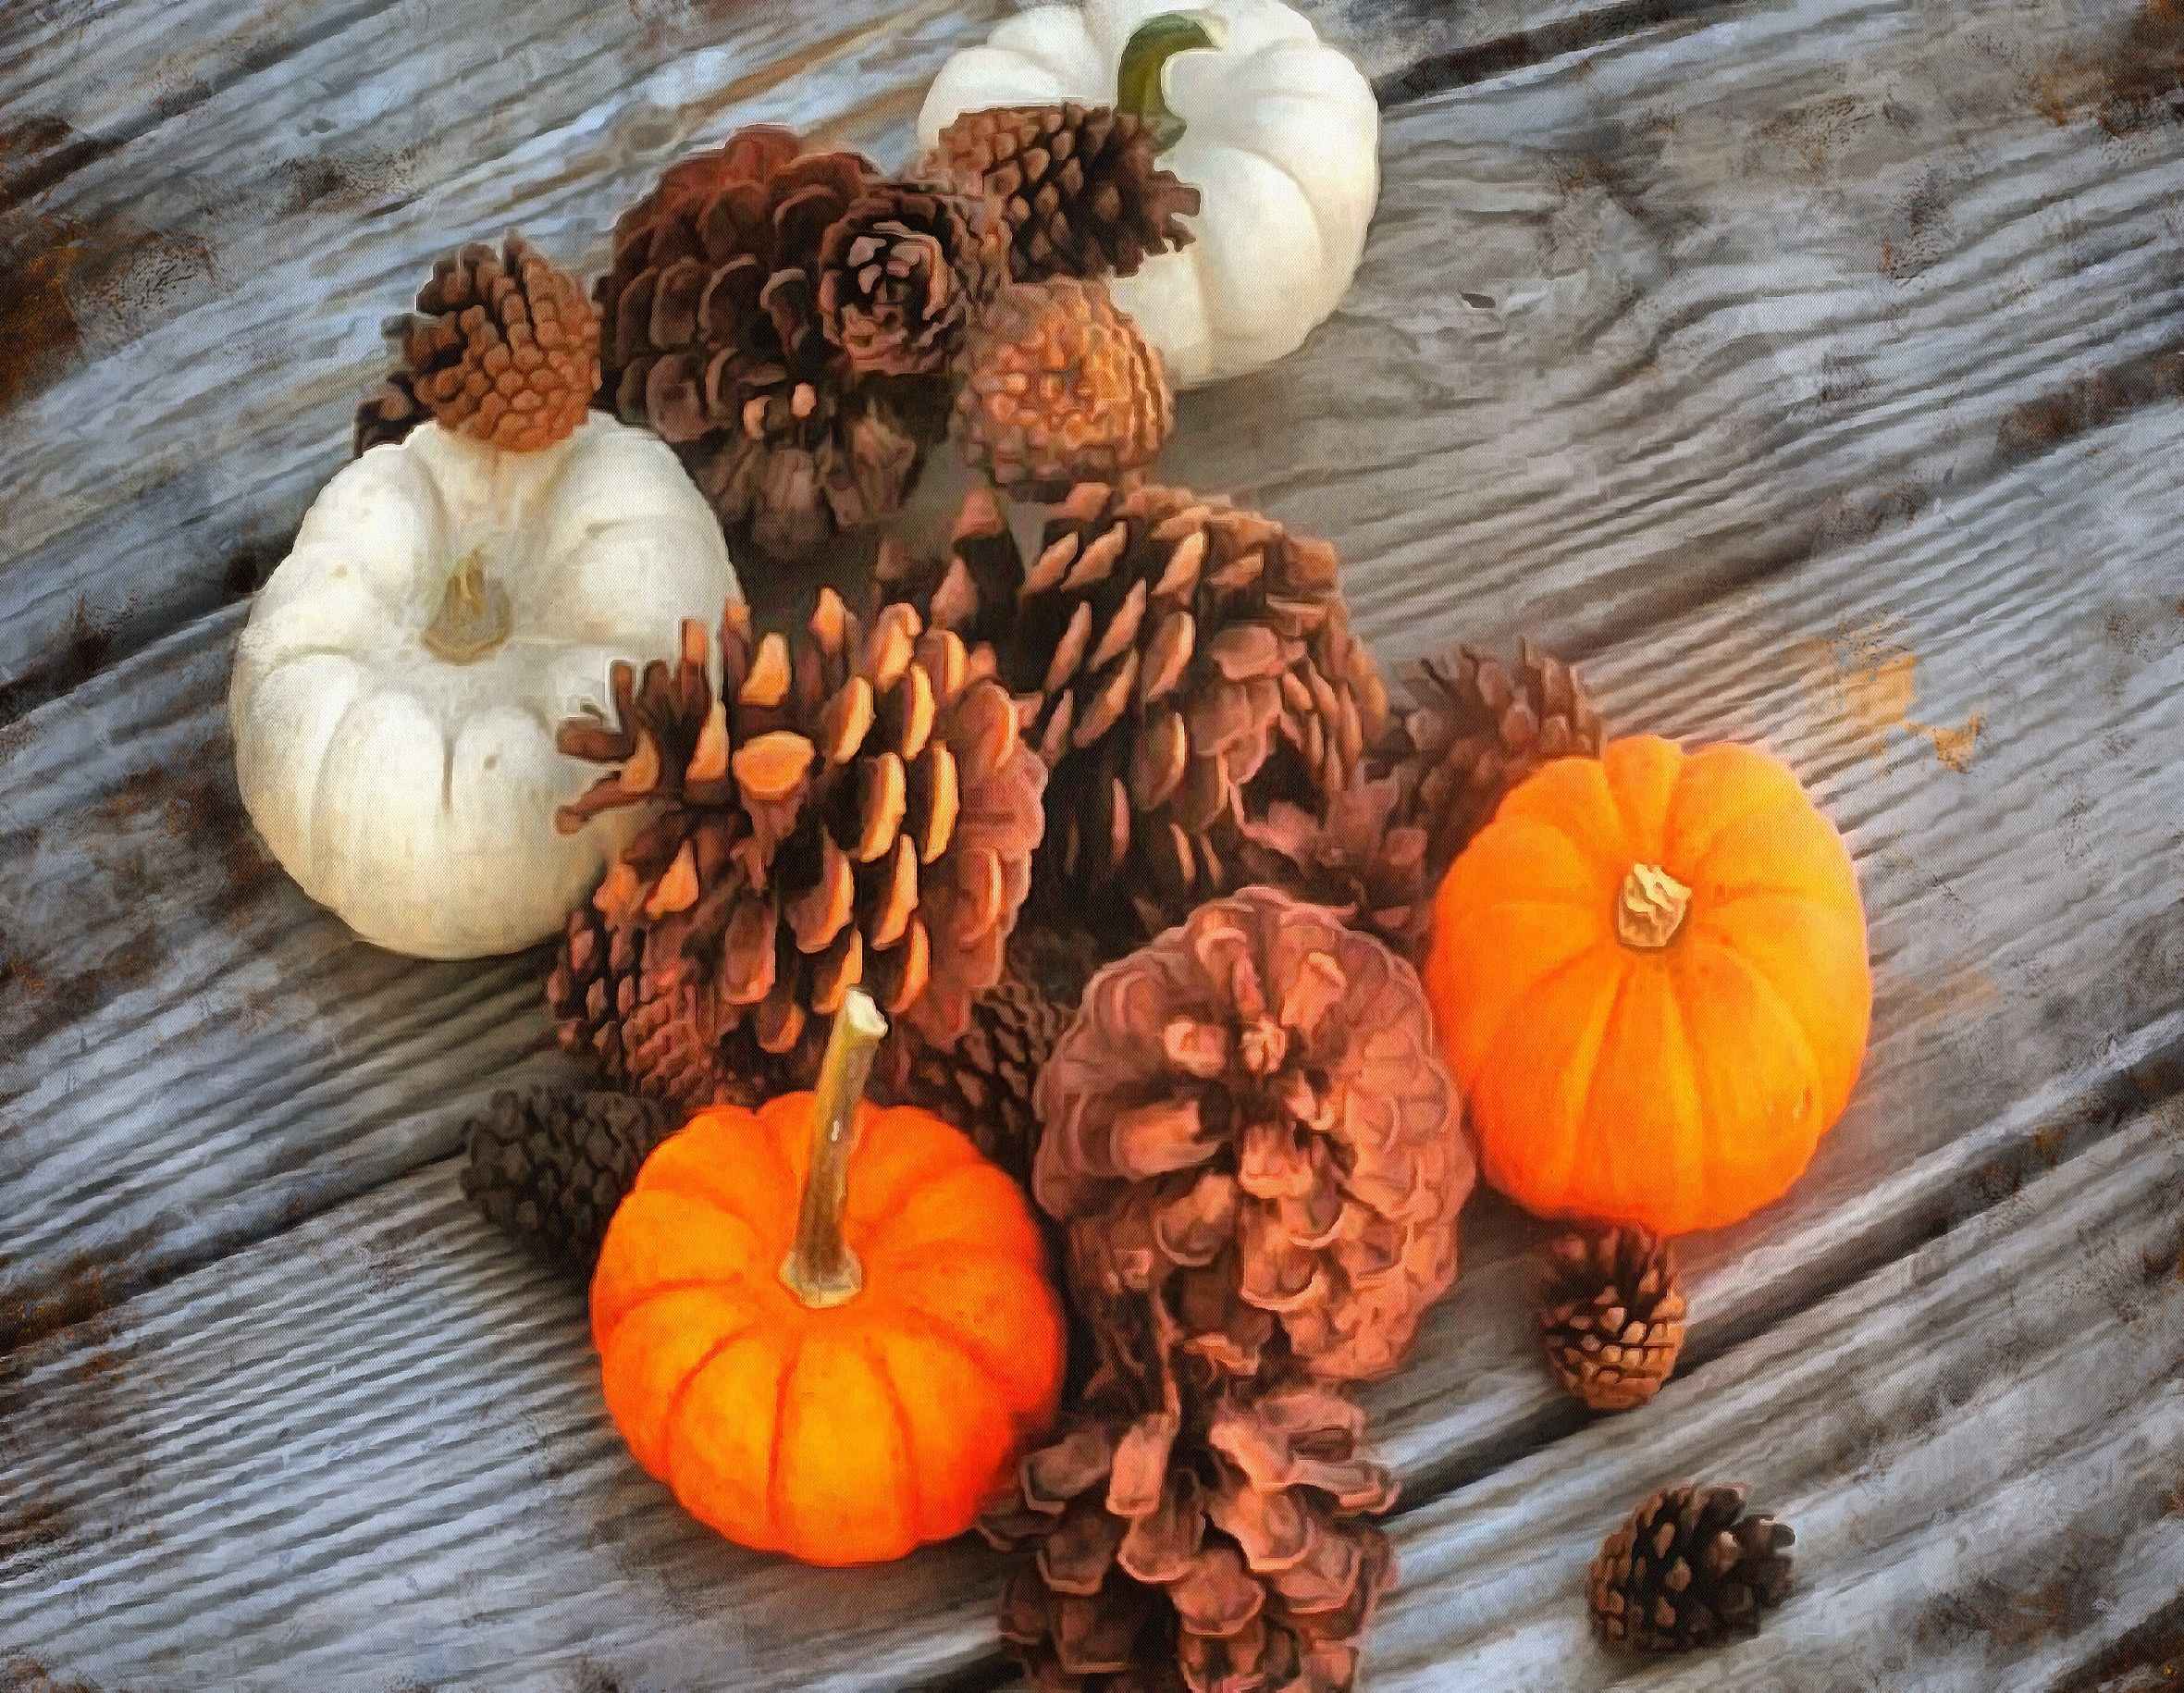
x,y
1649,975
842,1378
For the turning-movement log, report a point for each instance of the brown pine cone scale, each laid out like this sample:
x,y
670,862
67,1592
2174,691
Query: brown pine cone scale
x,y
1688,1569
548,1166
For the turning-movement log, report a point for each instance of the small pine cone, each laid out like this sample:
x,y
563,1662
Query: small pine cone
x,y
1180,665
548,1166
1059,387
714,337
1248,1125
1688,1569
1359,861
849,808
1209,1544
1611,1315
386,414
1479,728
902,272
503,347
1080,187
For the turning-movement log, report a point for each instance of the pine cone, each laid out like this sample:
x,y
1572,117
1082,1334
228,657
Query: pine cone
x,y
1688,1569
503,347
714,336
1612,1317
1180,665
900,274
1360,861
844,809
983,1084
1198,1546
548,1166
1250,1125
1059,387
1079,186
1480,727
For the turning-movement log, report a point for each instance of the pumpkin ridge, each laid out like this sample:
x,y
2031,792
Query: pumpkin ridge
x,y
1592,1078
907,1496
712,1199
947,1335
671,1415
1538,984
1766,804
794,1357
658,1289
916,1257
1768,991
1690,1175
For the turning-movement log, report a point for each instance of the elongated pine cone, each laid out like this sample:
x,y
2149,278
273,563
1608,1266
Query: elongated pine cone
x,y
903,272
1359,860
503,347
549,1165
714,336
1480,727
1210,1545
1080,187
1180,665
1250,1125
1611,1315
1059,387
1688,1569
852,807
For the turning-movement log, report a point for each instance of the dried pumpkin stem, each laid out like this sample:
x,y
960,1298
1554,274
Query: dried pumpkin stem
x,y
474,617
1649,907
820,1268
1140,76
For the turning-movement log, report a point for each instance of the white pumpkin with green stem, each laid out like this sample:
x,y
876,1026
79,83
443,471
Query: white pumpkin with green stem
x,y
398,685
1279,132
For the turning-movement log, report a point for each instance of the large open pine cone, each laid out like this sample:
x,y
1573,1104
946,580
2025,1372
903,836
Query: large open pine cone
x,y
715,338
1688,1569
902,274
1080,187
1059,387
846,808
1180,665
1480,727
1250,1124
1210,1545
503,347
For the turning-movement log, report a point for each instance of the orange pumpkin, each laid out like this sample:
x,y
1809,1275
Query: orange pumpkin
x,y
1649,974
843,1380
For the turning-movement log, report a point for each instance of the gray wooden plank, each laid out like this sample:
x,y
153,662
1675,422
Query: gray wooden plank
x,y
1980,1449
371,1453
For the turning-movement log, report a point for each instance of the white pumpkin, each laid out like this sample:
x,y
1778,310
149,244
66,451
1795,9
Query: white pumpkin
x,y
1280,136
403,672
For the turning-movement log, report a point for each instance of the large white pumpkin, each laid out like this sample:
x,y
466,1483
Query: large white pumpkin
x,y
398,684
1281,138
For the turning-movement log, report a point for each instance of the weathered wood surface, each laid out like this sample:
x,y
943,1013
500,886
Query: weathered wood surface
x,y
1826,396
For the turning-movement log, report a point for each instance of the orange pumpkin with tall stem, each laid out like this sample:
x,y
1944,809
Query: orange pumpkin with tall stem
x,y
1649,975
835,1369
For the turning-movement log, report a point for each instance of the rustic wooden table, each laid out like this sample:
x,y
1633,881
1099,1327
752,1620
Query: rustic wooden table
x,y
1810,371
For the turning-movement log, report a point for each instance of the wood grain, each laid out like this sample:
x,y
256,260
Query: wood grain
x,y
1807,377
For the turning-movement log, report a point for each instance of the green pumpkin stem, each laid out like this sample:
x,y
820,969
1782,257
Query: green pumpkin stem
x,y
820,1268
1139,78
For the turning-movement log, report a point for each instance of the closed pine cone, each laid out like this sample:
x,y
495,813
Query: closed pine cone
x,y
548,1166
1205,1545
1611,1317
848,808
714,337
1250,1125
1079,186
1359,860
1688,1569
1059,387
1180,665
503,347
1480,727
903,272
